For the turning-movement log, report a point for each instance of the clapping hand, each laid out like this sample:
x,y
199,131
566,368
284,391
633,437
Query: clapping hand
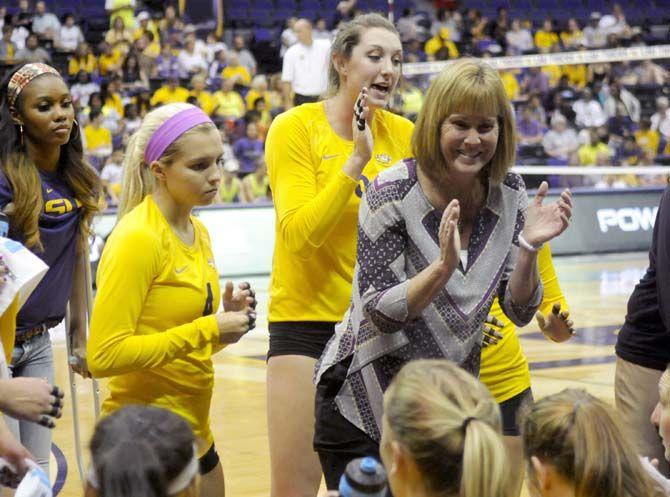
x,y
449,237
544,222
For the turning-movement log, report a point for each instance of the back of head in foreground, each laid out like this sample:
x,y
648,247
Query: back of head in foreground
x,y
143,451
442,434
575,445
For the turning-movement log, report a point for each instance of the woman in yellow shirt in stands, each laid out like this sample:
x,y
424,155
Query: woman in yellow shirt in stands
x,y
154,325
320,157
504,367
546,38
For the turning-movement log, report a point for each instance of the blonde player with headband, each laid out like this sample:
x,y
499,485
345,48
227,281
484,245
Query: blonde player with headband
x,y
320,158
153,326
50,194
142,451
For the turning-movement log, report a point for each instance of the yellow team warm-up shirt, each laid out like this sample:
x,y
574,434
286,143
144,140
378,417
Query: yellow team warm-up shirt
x,y
504,368
152,328
316,208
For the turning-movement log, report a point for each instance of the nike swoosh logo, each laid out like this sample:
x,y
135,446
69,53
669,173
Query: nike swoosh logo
x,y
49,190
180,270
326,157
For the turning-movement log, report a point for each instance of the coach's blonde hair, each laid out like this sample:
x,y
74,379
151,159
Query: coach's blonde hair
x,y
347,38
138,181
450,425
583,439
467,86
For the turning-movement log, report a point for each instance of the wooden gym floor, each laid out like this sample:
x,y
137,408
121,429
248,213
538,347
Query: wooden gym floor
x,y
596,287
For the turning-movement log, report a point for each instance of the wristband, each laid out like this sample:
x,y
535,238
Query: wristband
x,y
523,243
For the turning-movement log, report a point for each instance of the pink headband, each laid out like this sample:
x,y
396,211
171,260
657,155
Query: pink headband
x,y
25,75
172,129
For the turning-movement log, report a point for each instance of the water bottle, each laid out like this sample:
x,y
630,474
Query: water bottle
x,y
364,477
35,483
4,225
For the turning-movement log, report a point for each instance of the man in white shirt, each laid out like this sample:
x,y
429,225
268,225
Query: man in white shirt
x,y
45,24
660,121
588,111
305,67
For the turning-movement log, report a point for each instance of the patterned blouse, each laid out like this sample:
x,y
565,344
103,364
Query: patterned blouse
x,y
397,239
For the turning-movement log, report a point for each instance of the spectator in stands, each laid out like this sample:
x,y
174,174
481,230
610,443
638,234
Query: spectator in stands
x,y
147,50
649,159
259,89
553,71
498,27
288,37
411,99
560,142
245,57
190,62
213,45
131,118
120,36
82,60
321,31
169,24
217,66
110,92
32,52
650,73
132,74
546,37
166,65
25,14
449,19
169,93
647,139
510,83
575,444
628,154
660,120
588,111
98,139
3,13
572,38
622,100
19,33
306,86
625,73
563,88
529,130
275,94
537,110
619,128
230,187
535,82
228,104
124,10
203,98
615,23
256,186
518,39
111,176
69,36
407,25
45,24
109,60
145,25
83,88
441,40
248,151
7,47
236,71
112,117
594,36
588,153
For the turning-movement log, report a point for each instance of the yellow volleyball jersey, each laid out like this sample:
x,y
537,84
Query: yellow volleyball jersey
x,y
152,325
316,208
504,368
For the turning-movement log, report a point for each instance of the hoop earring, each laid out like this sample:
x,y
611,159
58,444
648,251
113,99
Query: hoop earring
x,y
75,123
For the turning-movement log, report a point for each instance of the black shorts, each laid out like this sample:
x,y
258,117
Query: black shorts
x,y
307,338
510,410
336,439
209,461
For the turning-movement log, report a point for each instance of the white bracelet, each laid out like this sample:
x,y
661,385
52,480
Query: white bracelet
x,y
523,243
